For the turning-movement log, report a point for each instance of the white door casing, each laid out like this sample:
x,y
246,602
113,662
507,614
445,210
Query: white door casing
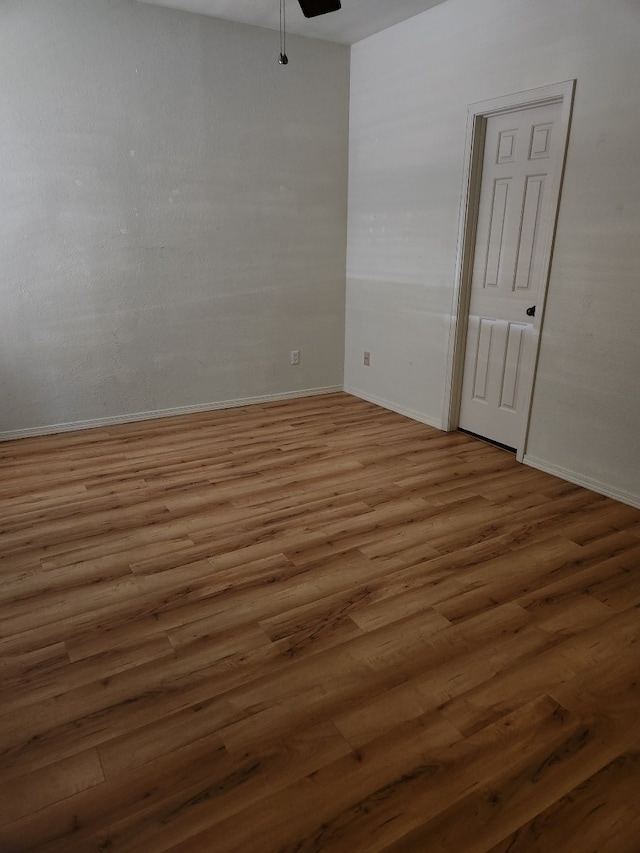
x,y
515,155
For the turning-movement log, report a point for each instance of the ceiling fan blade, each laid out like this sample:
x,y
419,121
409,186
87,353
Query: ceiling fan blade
x,y
312,8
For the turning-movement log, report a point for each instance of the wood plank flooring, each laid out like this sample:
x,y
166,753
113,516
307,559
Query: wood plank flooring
x,y
312,626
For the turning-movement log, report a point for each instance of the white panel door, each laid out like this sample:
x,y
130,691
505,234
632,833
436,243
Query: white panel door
x,y
522,151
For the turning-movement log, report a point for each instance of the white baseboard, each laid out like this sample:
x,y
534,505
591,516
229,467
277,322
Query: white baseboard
x,y
386,404
52,429
580,480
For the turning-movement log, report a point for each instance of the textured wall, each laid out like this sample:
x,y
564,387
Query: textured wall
x,y
173,211
410,89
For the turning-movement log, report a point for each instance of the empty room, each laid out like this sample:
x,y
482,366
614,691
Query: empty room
x,y
319,426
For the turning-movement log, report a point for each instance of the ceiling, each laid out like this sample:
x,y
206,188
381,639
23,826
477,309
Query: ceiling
x,y
357,19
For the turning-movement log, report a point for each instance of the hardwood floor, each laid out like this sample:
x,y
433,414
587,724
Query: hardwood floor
x,y
312,626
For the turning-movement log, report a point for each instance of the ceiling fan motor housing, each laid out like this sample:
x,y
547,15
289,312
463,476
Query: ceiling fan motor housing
x,y
313,8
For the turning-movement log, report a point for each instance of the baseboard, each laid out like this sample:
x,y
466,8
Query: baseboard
x,y
393,407
580,480
52,429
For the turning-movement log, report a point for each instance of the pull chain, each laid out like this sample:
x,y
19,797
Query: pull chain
x,y
283,60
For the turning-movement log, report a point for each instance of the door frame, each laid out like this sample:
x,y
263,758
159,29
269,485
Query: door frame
x,y
477,116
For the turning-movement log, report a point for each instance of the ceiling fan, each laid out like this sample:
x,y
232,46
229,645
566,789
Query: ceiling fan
x,y
312,8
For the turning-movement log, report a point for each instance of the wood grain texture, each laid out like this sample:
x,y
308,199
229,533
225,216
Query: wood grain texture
x,y
312,625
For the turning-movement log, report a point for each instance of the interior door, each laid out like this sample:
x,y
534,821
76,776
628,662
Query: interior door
x,y
513,234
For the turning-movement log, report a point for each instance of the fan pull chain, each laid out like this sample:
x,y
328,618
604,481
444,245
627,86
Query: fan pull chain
x,y
284,59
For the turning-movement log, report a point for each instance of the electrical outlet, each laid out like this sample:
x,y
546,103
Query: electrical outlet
x,y
367,359
295,356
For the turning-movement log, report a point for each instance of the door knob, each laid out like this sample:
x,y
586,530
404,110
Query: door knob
x,y
531,312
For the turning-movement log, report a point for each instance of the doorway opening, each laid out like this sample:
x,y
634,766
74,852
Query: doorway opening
x,y
514,162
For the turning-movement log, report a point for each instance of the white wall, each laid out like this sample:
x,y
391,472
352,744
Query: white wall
x,y
173,209
409,94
